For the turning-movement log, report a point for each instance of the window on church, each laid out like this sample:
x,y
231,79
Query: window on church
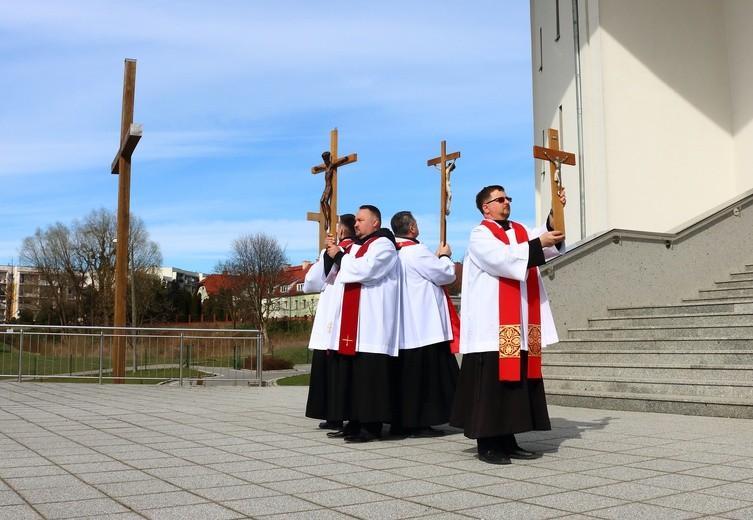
x,y
557,20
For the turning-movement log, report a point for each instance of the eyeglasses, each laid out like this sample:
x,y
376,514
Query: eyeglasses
x,y
499,199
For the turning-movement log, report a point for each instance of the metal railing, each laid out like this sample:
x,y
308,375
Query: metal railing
x,y
152,355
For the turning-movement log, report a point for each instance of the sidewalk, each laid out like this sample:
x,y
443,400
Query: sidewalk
x,y
230,452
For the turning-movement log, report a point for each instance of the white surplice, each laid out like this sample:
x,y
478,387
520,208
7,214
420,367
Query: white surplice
x,y
377,272
486,259
330,298
424,317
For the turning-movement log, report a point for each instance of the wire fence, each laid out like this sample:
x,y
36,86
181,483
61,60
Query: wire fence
x,y
152,355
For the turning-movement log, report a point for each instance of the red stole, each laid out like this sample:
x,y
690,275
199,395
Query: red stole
x,y
349,316
454,318
510,316
346,244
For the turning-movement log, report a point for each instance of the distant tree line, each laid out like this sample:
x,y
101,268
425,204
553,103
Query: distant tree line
x,y
76,267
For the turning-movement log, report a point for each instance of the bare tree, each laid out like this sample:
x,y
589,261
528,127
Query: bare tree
x,y
95,235
77,264
258,259
54,256
144,258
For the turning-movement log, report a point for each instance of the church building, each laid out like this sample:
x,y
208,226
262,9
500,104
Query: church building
x,y
654,98
653,301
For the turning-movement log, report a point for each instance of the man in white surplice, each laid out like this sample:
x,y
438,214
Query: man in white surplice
x,y
428,368
321,278
365,332
500,390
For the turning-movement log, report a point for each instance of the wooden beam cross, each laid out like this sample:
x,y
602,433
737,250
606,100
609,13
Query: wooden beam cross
x,y
556,159
328,202
445,193
130,134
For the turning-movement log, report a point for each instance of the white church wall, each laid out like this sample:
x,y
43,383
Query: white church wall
x,y
665,116
669,143
738,17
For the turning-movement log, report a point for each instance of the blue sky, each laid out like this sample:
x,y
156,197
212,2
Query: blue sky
x,y
237,100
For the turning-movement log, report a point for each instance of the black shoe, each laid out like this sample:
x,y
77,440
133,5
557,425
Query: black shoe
x,y
520,453
331,425
426,432
362,436
348,429
398,431
494,457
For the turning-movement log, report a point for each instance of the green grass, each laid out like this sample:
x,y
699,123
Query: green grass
x,y
299,380
296,355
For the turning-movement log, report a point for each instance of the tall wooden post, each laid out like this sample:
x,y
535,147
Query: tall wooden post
x,y
130,134
445,194
332,162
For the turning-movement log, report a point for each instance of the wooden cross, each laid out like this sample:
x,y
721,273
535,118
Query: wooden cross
x,y
317,217
556,159
328,202
445,194
130,134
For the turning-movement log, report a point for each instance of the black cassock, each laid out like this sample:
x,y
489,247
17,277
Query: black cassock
x,y
428,380
487,407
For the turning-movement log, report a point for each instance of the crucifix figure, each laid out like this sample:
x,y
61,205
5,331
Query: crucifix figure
x,y
556,159
130,134
328,202
445,193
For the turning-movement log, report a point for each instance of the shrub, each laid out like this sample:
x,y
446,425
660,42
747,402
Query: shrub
x,y
267,363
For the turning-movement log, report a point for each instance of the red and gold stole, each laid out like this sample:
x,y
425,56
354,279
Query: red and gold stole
x,y
510,316
349,315
454,318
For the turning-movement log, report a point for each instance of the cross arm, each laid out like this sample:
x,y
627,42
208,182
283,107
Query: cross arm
x,y
127,146
336,164
551,155
448,157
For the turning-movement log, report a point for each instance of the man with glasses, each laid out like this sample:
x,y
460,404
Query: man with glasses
x,y
505,322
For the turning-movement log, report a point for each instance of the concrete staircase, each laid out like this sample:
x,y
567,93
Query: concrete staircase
x,y
693,358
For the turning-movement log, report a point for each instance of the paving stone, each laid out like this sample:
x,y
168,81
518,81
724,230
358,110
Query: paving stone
x,y
123,452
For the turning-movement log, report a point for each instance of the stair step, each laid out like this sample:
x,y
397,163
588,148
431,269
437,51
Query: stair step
x,y
743,275
674,320
693,308
722,292
684,405
717,299
735,284
665,332
675,357
689,345
660,371
689,387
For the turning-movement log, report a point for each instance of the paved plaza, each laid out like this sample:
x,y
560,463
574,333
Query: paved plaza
x,y
231,452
